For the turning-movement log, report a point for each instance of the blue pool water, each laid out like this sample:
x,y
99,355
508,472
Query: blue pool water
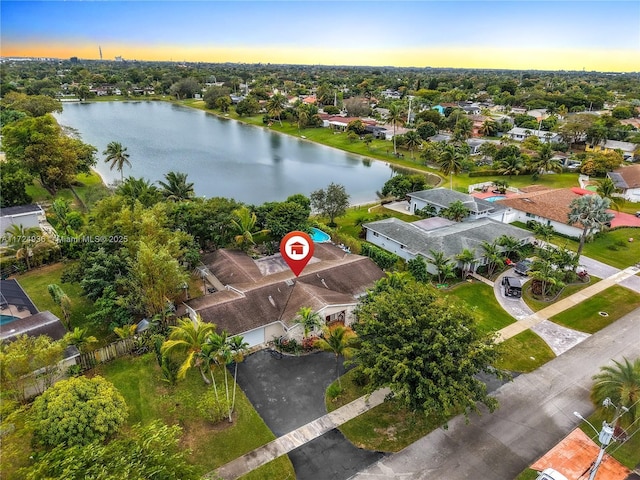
x,y
318,236
493,199
4,319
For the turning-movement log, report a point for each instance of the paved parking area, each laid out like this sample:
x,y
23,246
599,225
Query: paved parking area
x,y
288,393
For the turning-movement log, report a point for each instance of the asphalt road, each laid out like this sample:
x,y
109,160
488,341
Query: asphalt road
x,y
536,412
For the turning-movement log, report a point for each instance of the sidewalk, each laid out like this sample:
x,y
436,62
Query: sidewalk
x,y
292,440
564,304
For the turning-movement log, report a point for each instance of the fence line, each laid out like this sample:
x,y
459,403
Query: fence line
x,y
105,354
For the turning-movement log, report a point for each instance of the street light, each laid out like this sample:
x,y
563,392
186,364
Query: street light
x,y
605,435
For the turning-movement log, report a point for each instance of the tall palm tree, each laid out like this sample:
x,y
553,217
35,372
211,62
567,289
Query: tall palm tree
x,y
607,189
275,106
442,264
396,117
511,246
450,161
338,340
218,342
511,165
543,271
118,156
188,338
176,187
309,319
467,257
590,211
413,140
489,128
139,189
544,161
621,384
493,254
239,349
21,241
243,223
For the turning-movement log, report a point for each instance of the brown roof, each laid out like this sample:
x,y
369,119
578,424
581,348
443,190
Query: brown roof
x,y
630,174
550,204
232,266
277,297
534,188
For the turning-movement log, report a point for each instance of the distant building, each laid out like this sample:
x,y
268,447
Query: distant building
x,y
26,215
519,134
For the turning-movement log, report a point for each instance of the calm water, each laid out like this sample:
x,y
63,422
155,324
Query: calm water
x,y
221,157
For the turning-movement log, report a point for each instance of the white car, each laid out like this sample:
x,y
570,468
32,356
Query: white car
x,y
550,474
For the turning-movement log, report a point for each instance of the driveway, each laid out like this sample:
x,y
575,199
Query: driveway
x,y
536,412
288,393
602,270
559,338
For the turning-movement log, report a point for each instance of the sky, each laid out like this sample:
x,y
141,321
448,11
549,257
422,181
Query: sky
x,y
508,34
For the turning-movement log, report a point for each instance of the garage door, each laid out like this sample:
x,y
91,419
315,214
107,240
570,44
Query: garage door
x,y
254,337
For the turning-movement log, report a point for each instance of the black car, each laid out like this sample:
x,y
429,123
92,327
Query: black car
x,y
512,286
523,267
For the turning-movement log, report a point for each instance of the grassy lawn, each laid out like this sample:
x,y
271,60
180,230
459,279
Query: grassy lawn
x,y
616,301
140,381
528,474
90,188
524,353
385,428
567,291
627,453
35,283
481,299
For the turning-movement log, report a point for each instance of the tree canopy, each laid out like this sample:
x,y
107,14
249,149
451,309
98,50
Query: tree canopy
x,y
426,349
331,202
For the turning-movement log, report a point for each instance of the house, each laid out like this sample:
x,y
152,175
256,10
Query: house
x,y
627,148
471,109
627,180
26,215
519,134
441,198
340,124
546,206
410,240
261,298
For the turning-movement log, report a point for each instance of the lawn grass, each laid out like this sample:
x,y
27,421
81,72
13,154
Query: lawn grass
x,y
627,453
480,297
527,474
35,283
351,222
90,188
535,304
524,353
385,428
616,301
210,446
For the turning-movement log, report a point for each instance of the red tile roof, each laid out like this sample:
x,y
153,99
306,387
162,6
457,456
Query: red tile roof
x,y
550,204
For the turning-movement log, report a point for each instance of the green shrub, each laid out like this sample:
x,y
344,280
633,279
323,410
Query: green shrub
x,y
334,391
213,409
359,378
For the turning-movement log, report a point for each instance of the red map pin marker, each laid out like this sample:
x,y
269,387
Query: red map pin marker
x,y
297,249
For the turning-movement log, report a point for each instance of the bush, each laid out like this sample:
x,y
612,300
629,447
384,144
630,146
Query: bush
x,y
77,411
334,391
383,259
288,345
211,409
359,378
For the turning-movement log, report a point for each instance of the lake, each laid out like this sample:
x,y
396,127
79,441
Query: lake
x,y
223,158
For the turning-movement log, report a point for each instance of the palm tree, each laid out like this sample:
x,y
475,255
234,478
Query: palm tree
x,y
412,140
139,189
620,384
543,232
590,211
607,189
243,222
176,187
543,271
126,331
511,246
239,349
450,161
22,240
275,106
395,116
489,128
63,301
309,319
80,339
511,165
463,129
118,156
544,161
188,337
337,339
493,254
222,356
466,257
456,211
443,265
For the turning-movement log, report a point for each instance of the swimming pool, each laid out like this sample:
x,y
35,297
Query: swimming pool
x,y
493,199
318,236
4,319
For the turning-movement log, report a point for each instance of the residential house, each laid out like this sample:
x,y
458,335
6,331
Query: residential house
x,y
627,148
261,298
26,215
340,123
627,180
410,240
441,198
472,109
544,205
519,134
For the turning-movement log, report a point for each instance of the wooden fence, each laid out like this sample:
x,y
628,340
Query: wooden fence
x,y
106,354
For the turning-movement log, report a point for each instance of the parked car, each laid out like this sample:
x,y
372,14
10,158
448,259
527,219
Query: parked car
x,y
512,286
550,474
523,267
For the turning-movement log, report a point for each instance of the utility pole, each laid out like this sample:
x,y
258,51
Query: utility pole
x,y
605,435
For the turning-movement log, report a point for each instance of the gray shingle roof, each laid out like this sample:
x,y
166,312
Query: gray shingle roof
x,y
20,210
451,240
443,197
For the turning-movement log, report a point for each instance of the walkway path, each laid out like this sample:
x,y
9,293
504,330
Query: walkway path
x,y
292,440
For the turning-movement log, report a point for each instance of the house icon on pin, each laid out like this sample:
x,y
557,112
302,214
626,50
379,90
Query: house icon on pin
x,y
297,248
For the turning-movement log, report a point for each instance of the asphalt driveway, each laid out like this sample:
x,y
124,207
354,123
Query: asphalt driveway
x,y
288,392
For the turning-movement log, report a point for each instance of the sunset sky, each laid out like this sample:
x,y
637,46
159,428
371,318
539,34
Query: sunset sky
x,y
549,35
